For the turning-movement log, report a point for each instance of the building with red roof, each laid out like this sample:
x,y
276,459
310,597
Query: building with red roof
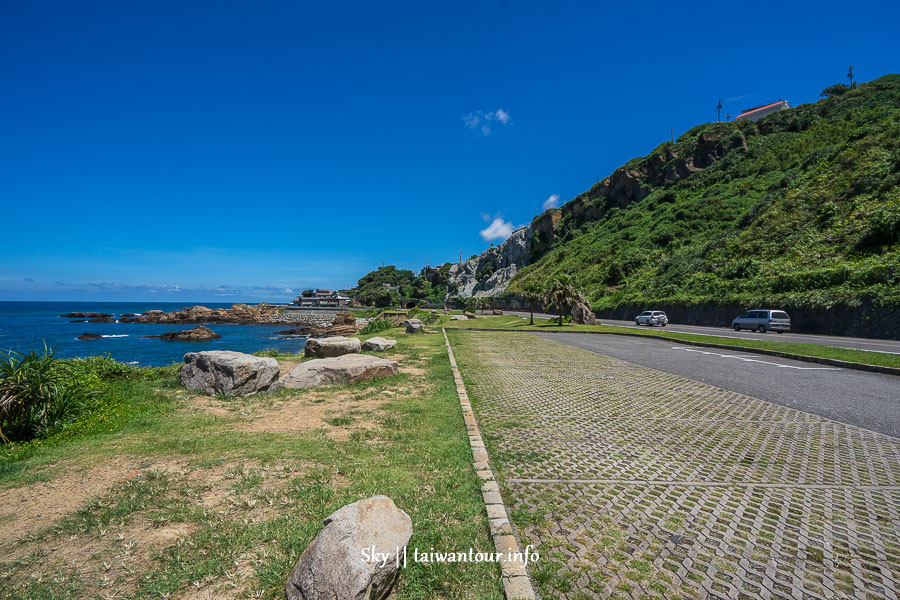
x,y
760,111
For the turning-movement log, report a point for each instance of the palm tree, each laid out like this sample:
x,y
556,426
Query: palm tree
x,y
532,293
563,291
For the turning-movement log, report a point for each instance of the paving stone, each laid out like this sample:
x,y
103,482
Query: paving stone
x,y
635,483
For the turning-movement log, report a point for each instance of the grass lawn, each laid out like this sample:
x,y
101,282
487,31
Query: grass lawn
x,y
515,322
170,494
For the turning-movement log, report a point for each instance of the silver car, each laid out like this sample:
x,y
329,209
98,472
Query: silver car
x,y
651,318
763,320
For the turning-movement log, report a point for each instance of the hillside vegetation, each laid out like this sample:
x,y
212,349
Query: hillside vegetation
x,y
800,209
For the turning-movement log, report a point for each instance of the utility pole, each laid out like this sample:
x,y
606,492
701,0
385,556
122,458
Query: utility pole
x,y
672,133
850,77
719,112
460,256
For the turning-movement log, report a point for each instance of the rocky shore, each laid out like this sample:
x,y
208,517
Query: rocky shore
x,y
239,314
305,323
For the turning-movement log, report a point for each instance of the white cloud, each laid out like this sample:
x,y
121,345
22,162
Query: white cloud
x,y
501,115
497,230
551,202
480,120
472,120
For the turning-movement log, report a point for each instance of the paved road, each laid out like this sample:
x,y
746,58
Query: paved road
x,y
633,482
892,346
868,400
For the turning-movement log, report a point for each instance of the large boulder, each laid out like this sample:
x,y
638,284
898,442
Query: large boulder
x,y
583,315
415,328
89,336
350,368
409,322
459,318
469,315
229,373
496,312
331,346
355,556
378,344
197,334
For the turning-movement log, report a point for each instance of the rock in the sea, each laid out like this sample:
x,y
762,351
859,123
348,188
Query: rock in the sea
x,y
334,566
350,368
331,346
305,331
497,311
583,315
415,327
238,313
89,336
459,318
229,373
378,344
86,315
197,334
469,315
102,320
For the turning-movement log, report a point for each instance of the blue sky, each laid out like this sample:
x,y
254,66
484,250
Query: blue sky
x,y
244,151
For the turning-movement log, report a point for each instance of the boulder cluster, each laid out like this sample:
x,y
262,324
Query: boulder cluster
x,y
338,362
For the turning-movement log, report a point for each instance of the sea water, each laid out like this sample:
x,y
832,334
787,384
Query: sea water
x,y
26,326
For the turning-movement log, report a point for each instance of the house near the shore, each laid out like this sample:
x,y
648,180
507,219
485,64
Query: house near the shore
x,y
323,298
752,114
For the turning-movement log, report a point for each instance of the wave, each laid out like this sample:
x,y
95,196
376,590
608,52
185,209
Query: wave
x,y
120,335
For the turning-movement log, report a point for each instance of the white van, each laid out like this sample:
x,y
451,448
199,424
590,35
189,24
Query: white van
x,y
763,320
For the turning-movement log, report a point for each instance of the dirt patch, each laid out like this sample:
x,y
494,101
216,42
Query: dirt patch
x,y
286,367
38,505
337,413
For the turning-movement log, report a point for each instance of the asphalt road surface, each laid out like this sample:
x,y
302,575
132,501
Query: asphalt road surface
x,y
868,400
892,346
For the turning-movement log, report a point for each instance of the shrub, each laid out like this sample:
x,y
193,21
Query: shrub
x,y
430,318
376,326
37,394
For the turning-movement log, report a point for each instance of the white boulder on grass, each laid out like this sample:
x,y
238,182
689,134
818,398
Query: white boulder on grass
x,y
347,369
230,373
354,557
378,344
331,346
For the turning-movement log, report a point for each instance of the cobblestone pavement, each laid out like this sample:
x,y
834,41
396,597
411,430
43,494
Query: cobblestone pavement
x,y
634,483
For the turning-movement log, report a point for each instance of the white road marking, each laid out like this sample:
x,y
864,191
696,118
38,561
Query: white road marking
x,y
765,362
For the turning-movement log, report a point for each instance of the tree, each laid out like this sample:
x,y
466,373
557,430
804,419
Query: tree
x,y
835,90
532,293
307,293
563,291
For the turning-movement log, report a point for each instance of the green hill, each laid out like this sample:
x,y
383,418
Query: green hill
x,y
799,210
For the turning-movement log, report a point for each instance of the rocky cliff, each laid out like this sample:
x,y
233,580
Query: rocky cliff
x,y
489,273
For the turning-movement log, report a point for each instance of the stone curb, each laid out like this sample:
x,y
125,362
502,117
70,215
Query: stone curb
x,y
516,583
813,359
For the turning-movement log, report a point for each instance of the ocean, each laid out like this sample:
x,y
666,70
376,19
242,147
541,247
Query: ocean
x,y
26,326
